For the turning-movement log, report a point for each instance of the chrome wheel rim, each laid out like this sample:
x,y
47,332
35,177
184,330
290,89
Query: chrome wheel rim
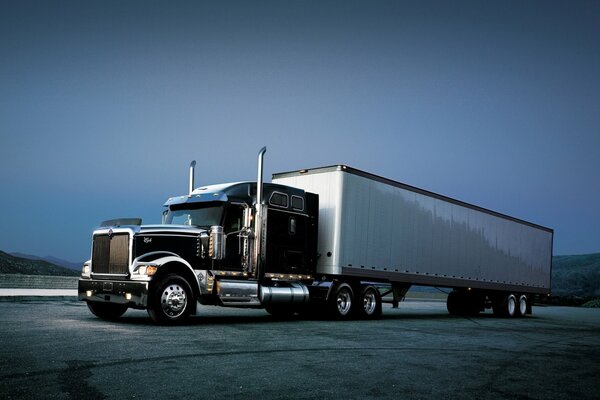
x,y
173,300
369,302
344,301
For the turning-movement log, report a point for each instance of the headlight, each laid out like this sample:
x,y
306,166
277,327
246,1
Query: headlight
x,y
86,271
148,270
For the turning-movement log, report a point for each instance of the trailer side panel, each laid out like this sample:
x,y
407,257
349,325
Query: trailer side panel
x,y
373,227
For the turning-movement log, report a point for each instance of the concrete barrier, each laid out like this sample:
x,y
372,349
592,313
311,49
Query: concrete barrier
x,y
18,281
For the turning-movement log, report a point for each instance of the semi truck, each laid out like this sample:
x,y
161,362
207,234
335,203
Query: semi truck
x,y
334,240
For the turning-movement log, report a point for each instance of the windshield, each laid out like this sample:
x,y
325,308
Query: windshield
x,y
198,214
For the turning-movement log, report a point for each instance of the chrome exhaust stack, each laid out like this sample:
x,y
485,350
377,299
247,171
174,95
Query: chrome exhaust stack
x,y
259,245
192,167
259,179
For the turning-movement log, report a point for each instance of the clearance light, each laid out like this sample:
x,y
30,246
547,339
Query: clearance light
x,y
127,296
88,293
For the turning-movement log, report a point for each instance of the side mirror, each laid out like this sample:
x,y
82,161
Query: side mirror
x,y
164,216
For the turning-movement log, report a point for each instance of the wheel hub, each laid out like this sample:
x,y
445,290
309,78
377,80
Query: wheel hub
x,y
173,300
344,302
369,303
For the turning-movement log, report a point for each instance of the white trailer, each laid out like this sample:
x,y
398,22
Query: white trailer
x,y
376,228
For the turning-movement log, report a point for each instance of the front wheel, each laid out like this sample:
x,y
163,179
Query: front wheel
x,y
107,311
171,300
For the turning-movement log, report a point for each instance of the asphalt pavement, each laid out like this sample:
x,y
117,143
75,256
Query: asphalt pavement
x,y
59,350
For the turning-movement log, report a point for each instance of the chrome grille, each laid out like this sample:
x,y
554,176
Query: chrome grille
x,y
110,254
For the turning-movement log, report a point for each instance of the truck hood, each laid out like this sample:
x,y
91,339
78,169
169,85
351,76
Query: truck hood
x,y
181,229
152,229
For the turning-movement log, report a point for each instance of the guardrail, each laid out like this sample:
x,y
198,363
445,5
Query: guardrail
x,y
18,281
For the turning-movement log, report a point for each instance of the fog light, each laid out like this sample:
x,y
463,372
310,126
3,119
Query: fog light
x,y
127,296
88,293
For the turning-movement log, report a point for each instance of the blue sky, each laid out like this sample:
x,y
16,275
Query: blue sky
x,y
104,104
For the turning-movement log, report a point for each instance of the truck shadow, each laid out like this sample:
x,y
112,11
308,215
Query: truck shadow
x,y
215,320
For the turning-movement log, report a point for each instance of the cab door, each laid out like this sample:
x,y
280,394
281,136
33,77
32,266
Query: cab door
x,y
232,226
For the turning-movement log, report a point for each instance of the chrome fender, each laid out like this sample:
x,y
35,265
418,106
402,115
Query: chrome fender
x,y
161,259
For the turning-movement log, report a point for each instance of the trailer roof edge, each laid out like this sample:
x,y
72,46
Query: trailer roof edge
x,y
348,169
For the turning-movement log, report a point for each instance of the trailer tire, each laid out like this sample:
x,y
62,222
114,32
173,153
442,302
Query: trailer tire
x,y
505,306
107,311
368,303
171,301
340,304
522,306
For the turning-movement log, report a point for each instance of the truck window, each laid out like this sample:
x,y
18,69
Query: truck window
x,y
279,199
234,218
297,203
195,214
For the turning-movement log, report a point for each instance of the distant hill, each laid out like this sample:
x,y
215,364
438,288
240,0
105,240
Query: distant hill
x,y
576,275
16,265
76,266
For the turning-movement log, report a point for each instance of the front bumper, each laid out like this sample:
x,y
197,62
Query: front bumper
x,y
131,293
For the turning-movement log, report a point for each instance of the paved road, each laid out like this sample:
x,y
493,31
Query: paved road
x,y
58,350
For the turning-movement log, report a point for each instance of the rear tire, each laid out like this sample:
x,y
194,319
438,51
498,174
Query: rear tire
x,y
340,304
505,306
107,311
368,303
522,306
171,301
